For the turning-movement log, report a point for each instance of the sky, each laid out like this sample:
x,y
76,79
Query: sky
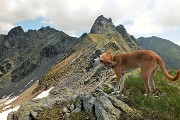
x,y
140,17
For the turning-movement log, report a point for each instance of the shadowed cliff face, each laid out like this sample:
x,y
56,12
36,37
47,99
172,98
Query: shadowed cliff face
x,y
26,56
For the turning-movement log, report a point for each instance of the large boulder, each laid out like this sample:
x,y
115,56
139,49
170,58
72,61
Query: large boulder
x,y
105,110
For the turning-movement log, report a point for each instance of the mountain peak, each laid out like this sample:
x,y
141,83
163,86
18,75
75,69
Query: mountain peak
x,y
102,25
16,31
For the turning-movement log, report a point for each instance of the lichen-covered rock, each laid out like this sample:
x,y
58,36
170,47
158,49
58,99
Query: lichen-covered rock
x,y
105,110
119,104
12,116
88,103
30,109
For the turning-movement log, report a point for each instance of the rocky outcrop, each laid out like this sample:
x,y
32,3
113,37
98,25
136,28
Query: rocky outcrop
x,y
129,38
60,46
23,70
120,29
102,106
102,25
5,67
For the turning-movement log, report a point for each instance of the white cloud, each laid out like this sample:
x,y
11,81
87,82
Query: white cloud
x,y
46,22
146,16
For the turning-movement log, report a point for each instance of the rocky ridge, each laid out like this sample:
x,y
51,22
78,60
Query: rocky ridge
x,y
83,86
97,105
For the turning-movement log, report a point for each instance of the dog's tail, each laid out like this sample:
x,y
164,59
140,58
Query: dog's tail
x,y
163,69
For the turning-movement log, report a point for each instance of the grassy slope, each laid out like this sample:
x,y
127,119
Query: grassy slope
x,y
165,106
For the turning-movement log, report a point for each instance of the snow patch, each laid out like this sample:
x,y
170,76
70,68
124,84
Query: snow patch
x,y
4,114
7,107
5,99
10,101
28,83
4,96
44,93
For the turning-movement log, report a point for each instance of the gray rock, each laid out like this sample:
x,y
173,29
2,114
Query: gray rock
x,y
72,107
105,110
64,110
12,116
76,110
28,110
88,103
79,101
120,28
118,103
34,114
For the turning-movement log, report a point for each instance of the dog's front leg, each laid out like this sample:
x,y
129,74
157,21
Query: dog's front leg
x,y
118,76
121,83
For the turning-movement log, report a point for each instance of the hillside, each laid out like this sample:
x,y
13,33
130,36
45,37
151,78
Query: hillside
x,y
82,92
167,50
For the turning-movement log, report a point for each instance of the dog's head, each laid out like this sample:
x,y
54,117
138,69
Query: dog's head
x,y
105,59
99,58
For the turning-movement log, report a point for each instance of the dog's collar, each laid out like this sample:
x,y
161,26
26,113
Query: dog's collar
x,y
108,64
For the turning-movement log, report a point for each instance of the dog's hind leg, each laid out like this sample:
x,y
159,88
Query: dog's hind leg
x,y
146,72
151,80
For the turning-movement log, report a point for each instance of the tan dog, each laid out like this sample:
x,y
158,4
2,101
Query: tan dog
x,y
148,61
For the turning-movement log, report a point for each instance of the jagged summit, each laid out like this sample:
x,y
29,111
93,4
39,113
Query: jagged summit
x,y
102,25
16,31
120,29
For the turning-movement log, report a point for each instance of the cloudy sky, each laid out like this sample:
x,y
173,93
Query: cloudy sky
x,y
140,17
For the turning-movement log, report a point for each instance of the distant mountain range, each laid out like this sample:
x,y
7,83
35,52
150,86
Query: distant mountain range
x,y
167,50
